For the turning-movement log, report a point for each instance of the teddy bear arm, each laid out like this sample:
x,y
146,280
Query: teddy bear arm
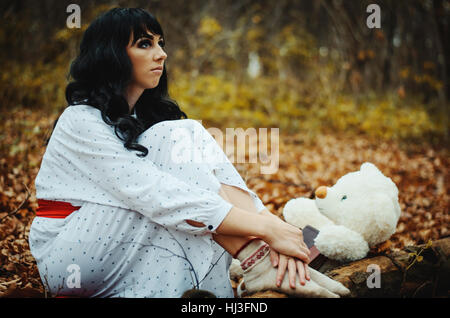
x,y
341,243
301,212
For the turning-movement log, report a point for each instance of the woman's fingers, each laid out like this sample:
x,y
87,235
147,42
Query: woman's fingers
x,y
305,246
282,264
295,267
303,256
292,272
307,276
301,272
301,252
305,250
273,257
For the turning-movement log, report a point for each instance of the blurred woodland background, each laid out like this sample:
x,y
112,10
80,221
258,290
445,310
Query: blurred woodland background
x,y
340,93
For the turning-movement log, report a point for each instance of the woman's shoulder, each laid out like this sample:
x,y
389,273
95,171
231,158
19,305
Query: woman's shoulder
x,y
80,110
80,115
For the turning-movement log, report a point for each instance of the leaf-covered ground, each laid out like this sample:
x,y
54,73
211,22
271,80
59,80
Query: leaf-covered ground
x,y
420,172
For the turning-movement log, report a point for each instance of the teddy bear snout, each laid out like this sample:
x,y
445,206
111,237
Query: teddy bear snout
x,y
321,192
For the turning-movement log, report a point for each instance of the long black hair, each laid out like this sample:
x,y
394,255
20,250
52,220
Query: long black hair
x,y
102,71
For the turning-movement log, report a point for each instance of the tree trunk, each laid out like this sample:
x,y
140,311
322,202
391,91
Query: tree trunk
x,y
400,275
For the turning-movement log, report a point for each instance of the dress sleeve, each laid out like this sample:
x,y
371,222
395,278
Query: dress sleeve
x,y
87,146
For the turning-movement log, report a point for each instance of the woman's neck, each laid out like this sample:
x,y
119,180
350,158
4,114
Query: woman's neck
x,y
132,94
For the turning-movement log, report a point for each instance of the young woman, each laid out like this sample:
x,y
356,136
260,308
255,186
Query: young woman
x,y
118,216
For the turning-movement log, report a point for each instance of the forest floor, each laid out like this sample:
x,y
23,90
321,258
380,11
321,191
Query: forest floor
x,y
419,171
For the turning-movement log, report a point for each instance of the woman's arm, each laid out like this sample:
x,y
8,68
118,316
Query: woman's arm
x,y
281,236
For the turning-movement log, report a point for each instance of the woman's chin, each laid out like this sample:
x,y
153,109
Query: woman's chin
x,y
151,85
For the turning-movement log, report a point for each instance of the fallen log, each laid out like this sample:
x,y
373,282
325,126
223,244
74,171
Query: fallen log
x,y
416,271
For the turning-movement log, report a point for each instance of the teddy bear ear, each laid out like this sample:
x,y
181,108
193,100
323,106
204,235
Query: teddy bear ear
x,y
368,166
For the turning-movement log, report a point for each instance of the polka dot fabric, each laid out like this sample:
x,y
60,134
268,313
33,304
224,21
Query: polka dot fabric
x,y
130,237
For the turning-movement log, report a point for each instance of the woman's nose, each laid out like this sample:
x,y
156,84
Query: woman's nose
x,y
160,55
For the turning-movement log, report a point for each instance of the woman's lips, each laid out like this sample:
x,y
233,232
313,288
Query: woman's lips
x,y
157,70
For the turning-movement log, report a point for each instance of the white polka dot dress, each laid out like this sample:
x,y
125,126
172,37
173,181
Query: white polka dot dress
x,y
130,237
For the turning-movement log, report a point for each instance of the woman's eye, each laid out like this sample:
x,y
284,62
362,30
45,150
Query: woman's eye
x,y
144,44
161,43
343,198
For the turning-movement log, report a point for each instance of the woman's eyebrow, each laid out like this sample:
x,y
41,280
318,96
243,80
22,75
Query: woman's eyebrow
x,y
149,36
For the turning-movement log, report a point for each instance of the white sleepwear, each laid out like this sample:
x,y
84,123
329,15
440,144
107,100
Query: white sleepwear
x,y
130,237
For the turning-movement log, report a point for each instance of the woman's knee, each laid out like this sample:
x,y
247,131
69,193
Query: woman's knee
x,y
177,137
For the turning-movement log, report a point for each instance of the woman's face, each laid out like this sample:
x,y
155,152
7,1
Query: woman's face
x,y
147,57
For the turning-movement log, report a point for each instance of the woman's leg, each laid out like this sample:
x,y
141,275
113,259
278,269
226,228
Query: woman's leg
x,y
186,150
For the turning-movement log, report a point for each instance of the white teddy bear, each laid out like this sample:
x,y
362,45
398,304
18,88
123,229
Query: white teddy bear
x,y
359,211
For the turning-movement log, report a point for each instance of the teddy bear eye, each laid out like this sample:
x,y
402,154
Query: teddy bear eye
x,y
344,197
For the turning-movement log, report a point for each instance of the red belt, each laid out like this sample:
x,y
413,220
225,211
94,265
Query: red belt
x,y
54,209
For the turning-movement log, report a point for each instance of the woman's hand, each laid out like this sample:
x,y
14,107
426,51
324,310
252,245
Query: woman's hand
x,y
285,238
281,236
294,266
270,214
